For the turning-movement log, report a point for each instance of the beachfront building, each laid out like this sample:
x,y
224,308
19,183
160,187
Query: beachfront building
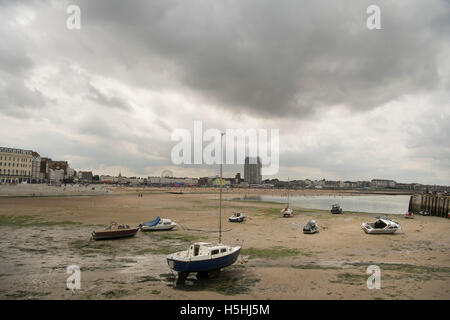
x,y
35,167
122,180
108,179
382,183
15,165
56,175
252,170
170,181
43,172
58,165
85,176
68,172
225,182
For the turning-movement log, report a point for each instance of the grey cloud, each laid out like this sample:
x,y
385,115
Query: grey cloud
x,y
110,101
15,66
281,61
285,60
17,100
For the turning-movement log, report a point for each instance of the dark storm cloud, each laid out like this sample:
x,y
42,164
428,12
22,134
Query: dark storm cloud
x,y
284,60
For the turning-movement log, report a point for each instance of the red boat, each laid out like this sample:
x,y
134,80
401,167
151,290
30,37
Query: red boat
x,y
409,215
114,231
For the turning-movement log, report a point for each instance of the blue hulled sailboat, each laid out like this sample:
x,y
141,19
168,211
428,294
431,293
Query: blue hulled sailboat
x,y
203,257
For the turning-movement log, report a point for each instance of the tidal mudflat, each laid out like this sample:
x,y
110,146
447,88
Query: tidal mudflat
x,y
40,237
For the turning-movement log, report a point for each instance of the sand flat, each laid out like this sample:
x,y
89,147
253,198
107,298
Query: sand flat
x,y
41,236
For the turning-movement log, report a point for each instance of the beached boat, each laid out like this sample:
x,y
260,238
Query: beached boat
x,y
381,226
336,209
425,212
114,231
237,217
287,212
409,215
203,257
310,227
157,225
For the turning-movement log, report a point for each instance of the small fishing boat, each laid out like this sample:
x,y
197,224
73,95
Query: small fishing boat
x,y
381,226
203,257
311,227
287,212
237,217
425,212
157,225
409,215
336,209
114,231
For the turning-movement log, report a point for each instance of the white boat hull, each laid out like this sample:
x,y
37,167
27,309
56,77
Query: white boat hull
x,y
159,227
287,212
184,262
371,230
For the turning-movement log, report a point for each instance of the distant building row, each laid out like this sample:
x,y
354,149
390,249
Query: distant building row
x,y
374,184
18,165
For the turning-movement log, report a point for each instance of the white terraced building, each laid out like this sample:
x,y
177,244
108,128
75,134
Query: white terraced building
x,y
15,165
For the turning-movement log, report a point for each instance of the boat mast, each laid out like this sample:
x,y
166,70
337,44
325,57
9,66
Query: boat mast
x,y
288,194
220,189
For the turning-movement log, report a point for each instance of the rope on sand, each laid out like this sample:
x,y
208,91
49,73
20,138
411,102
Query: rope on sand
x,y
190,229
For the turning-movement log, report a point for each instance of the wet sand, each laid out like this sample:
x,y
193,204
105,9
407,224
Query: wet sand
x,y
41,236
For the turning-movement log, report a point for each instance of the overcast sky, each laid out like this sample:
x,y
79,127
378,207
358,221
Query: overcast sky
x,y
350,103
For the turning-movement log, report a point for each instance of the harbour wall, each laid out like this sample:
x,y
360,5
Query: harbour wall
x,y
436,204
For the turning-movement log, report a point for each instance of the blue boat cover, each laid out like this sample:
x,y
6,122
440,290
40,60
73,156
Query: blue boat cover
x,y
152,223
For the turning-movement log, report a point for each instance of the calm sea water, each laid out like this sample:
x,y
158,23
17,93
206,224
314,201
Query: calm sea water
x,y
395,204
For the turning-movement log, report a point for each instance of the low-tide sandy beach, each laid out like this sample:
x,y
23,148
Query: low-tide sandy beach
x,y
41,236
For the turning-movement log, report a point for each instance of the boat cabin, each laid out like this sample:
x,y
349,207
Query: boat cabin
x,y
165,222
207,249
384,223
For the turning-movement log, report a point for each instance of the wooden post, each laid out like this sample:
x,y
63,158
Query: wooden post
x,y
439,207
438,200
410,204
435,205
421,202
446,210
431,205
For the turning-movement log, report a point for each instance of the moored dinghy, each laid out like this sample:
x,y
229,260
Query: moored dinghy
x,y
114,231
409,215
381,226
237,217
158,225
311,227
336,209
287,212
